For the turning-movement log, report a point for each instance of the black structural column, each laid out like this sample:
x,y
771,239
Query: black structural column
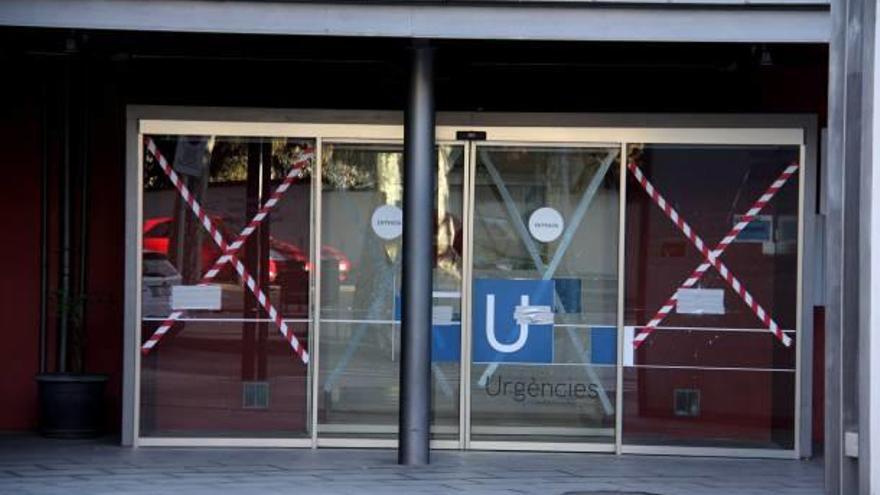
x,y
419,178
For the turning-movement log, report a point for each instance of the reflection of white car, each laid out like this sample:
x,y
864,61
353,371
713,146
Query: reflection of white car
x,y
159,275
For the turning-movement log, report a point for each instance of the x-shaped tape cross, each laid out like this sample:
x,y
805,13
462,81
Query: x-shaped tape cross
x,y
229,250
711,256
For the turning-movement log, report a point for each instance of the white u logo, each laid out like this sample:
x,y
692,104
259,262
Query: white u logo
x,y
490,327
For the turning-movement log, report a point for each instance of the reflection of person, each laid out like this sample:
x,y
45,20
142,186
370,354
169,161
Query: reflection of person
x,y
447,250
448,239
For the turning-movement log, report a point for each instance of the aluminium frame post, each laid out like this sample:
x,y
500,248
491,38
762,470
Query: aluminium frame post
x,y
868,217
420,177
852,266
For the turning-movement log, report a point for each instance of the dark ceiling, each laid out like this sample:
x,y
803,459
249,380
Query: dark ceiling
x,y
361,73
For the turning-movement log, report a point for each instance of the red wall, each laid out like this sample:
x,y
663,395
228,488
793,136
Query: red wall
x,y
20,252
21,134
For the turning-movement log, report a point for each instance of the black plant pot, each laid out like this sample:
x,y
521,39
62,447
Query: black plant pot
x,y
71,404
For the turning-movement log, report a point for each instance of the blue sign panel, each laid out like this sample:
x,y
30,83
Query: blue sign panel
x,y
603,345
568,291
446,343
497,335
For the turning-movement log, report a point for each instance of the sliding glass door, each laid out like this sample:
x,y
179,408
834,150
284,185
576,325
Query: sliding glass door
x,y
711,348
544,294
225,286
361,216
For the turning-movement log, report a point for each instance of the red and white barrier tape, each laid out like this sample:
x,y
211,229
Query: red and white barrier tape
x,y
744,221
215,235
710,256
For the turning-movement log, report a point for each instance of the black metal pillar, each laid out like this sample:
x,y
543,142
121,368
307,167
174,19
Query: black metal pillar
x,y
419,179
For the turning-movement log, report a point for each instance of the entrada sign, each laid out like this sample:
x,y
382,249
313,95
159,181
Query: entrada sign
x,y
387,222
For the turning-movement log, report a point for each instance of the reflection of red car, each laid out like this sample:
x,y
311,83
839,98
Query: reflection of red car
x,y
157,238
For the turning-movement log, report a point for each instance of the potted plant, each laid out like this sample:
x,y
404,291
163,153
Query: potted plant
x,y
71,401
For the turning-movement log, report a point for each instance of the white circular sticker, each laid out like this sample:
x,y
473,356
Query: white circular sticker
x,y
387,222
546,224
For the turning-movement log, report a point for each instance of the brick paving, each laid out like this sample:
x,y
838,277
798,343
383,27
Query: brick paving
x,y
33,465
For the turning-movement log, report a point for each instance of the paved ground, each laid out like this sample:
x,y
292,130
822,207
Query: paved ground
x,y
30,465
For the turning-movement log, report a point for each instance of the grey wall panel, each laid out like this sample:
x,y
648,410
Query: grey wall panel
x,y
645,22
852,229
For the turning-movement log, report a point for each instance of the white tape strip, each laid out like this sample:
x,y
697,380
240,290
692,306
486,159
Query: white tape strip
x,y
533,315
629,351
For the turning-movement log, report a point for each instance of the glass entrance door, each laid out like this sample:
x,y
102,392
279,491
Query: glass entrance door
x,y
544,294
225,287
711,352
359,343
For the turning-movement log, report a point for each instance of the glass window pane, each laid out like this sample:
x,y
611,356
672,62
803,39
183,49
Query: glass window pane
x,y
545,294
711,374
223,369
360,309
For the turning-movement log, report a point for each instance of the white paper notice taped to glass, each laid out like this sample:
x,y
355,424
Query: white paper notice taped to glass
x,y
206,297
700,302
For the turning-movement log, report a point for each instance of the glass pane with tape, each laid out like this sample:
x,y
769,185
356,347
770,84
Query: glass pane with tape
x,y
711,295
544,335
360,311
225,300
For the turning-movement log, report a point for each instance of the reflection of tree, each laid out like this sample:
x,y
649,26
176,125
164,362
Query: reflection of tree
x,y
286,152
343,169
154,178
227,159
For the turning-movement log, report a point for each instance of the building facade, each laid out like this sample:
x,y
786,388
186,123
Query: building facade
x,y
568,226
